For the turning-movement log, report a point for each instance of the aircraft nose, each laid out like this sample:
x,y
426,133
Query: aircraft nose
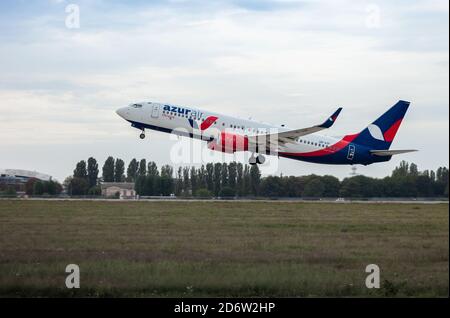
x,y
122,111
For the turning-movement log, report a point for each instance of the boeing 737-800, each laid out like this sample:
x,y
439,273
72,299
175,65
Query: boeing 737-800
x,y
229,134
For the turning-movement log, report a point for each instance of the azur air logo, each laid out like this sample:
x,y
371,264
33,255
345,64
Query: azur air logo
x,y
194,117
183,111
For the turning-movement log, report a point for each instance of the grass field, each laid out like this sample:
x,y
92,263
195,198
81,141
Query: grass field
x,y
158,249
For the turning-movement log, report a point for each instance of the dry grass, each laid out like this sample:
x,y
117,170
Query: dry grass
x,y
222,248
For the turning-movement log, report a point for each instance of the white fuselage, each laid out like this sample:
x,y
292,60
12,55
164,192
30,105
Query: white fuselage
x,y
206,125
231,134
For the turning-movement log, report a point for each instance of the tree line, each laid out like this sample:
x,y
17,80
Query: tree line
x,y
241,180
210,180
405,181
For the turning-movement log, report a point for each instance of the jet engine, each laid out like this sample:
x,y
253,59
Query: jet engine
x,y
229,143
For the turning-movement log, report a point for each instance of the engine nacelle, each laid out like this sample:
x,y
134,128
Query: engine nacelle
x,y
229,143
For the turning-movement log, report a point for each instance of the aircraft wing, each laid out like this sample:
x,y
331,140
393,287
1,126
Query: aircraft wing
x,y
383,153
292,135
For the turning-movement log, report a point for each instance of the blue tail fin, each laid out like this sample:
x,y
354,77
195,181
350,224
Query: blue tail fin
x,y
380,134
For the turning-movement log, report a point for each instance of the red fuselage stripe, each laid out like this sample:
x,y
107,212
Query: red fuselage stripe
x,y
341,144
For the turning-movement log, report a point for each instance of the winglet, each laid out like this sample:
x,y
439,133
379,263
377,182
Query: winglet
x,y
330,121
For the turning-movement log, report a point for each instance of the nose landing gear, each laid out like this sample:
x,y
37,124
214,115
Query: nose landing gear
x,y
260,159
142,135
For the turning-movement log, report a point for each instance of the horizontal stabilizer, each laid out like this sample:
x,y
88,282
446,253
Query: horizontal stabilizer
x,y
383,153
330,121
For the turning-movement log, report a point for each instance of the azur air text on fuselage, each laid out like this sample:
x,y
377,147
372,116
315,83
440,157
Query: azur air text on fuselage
x,y
182,110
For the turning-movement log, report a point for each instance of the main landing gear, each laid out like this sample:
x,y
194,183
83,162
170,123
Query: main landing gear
x,y
142,135
259,159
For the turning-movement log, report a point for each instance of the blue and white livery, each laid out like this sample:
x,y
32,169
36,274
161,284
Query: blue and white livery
x,y
229,134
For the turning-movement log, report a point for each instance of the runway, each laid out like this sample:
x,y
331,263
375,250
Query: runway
x,y
283,200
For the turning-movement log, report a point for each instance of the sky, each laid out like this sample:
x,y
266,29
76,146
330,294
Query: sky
x,y
284,62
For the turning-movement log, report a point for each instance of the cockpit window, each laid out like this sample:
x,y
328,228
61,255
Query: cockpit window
x,y
136,105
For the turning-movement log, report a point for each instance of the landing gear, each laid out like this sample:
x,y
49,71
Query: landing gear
x,y
260,159
142,135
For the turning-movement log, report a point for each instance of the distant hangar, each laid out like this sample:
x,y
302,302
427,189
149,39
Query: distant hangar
x,y
22,176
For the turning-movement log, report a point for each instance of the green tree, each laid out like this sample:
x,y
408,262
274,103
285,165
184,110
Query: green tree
x,y
210,177
53,187
108,170
92,172
151,185
441,184
152,169
293,186
78,186
66,183
247,186
350,188
194,180
186,181
38,188
80,170
179,182
166,180
413,170
331,186
132,170
271,186
217,178
255,179
202,178
203,193
314,188
232,175
442,174
95,191
424,185
167,171
227,192
402,170
119,170
142,171
433,176
224,175
240,179
363,187
139,185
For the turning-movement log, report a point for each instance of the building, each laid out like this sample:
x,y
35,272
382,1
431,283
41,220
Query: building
x,y
125,190
17,178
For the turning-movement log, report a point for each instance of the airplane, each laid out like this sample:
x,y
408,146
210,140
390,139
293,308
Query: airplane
x,y
230,134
